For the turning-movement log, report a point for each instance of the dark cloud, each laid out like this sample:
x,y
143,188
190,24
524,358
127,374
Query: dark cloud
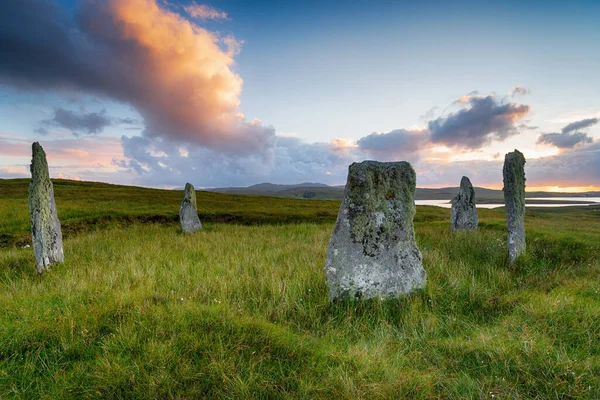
x,y
568,136
395,144
123,49
577,125
485,118
42,49
80,122
83,122
564,140
127,121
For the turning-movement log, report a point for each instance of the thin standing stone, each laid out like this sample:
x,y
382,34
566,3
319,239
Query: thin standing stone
x,y
188,213
45,226
514,200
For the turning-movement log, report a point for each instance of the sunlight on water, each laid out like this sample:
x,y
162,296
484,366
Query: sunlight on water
x,y
575,201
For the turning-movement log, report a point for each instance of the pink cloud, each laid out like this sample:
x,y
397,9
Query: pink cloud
x,y
13,173
70,158
205,12
179,75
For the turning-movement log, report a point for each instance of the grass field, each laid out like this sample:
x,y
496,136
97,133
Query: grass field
x,y
240,310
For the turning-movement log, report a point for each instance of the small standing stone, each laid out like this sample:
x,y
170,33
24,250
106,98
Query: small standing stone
x,y
514,200
45,226
464,210
188,213
372,252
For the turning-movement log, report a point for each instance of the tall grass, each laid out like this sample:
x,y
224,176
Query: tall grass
x,y
143,311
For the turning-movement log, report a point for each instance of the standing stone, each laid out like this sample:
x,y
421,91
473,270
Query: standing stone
x,y
45,226
464,211
188,213
372,252
514,200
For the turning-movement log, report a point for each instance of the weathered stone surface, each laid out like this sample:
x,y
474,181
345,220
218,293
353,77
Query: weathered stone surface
x,y
372,252
464,212
45,226
514,200
188,213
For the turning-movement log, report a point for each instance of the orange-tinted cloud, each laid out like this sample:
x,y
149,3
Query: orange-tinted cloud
x,y
203,11
177,75
180,74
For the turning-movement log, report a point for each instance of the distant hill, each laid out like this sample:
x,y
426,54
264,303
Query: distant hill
x,y
321,191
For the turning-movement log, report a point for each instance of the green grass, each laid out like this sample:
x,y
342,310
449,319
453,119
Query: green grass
x,y
241,310
84,206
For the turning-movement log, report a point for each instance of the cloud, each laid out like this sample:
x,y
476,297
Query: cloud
x,y
91,158
524,126
519,90
41,131
176,74
9,173
484,119
564,140
569,137
429,114
158,162
577,167
205,12
394,145
83,122
577,125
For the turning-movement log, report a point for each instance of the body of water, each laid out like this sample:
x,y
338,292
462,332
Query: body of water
x,y
573,201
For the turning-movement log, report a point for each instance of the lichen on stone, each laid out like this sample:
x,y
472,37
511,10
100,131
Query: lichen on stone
x,y
188,213
372,252
380,188
514,200
45,226
464,210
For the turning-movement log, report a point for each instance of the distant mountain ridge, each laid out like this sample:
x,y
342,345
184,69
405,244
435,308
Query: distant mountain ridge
x,y
321,191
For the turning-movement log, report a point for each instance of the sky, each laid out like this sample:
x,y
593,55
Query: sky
x,y
158,93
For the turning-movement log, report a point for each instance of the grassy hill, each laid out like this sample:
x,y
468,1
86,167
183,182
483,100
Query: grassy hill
x,y
85,205
240,310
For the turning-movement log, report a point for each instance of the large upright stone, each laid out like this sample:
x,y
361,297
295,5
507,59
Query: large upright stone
x,y
45,226
464,211
514,200
188,213
372,252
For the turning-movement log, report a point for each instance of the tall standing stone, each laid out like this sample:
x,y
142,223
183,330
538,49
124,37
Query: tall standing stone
x,y
514,200
372,252
464,211
188,213
45,226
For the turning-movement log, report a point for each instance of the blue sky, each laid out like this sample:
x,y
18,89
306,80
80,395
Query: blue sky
x,y
321,77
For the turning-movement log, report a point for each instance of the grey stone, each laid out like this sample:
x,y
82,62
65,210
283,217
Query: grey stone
x,y
464,211
372,252
514,200
188,213
45,226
